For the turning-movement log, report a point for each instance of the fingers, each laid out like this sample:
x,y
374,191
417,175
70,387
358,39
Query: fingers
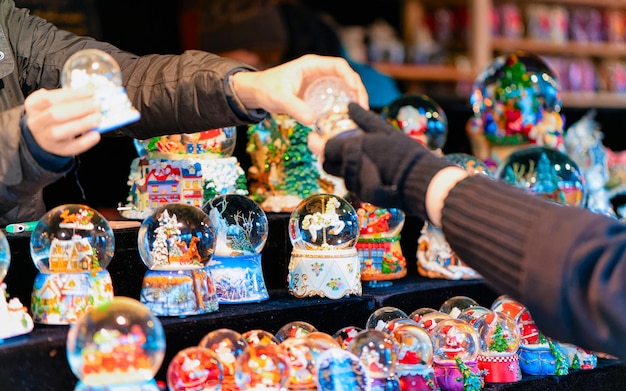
x,y
316,144
43,98
368,120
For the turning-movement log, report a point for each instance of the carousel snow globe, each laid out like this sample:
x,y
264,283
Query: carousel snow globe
x,y
176,244
98,72
241,230
118,346
14,317
324,230
499,341
71,246
516,101
415,358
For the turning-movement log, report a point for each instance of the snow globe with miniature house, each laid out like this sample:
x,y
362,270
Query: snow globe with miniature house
x,y
241,230
176,244
324,230
14,317
71,246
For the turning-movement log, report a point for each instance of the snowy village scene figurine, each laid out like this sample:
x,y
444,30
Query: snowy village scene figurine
x,y
241,230
324,230
117,346
98,72
71,246
14,317
176,243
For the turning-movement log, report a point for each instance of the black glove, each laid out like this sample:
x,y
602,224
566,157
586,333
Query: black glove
x,y
381,164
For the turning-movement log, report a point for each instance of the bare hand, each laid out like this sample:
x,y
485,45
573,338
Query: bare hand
x,y
61,120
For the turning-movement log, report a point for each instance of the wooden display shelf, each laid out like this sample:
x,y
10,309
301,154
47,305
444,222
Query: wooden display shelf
x,y
578,49
615,100
419,72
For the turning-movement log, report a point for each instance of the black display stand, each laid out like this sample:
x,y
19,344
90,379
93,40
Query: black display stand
x,y
38,361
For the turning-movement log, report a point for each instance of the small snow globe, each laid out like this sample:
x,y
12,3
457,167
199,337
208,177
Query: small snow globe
x,y
323,341
262,367
195,368
378,351
338,369
454,305
546,172
499,341
301,354
241,230
98,72
380,319
419,117
176,244
419,313
227,345
324,230
470,163
429,320
295,329
471,314
455,350
118,345
14,317
259,337
345,335
329,97
71,246
415,358
515,100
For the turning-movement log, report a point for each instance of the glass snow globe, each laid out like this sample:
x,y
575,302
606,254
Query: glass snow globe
x,y
227,345
98,72
415,358
241,230
419,117
295,329
329,97
71,246
176,244
14,317
378,351
262,367
470,163
118,345
301,354
380,319
546,172
324,230
195,368
454,305
499,341
515,100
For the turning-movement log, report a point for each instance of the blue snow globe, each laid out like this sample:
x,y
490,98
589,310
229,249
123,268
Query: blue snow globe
x,y
176,243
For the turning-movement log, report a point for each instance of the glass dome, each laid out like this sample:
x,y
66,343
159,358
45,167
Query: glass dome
x,y
213,143
378,352
194,368
116,343
454,305
379,319
92,69
227,345
262,367
454,338
415,347
241,226
472,164
72,238
295,329
323,222
420,117
498,333
329,98
176,237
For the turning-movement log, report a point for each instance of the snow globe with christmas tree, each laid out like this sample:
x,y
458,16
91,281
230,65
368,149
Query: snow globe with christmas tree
x,y
324,230
14,317
71,246
499,341
176,244
241,229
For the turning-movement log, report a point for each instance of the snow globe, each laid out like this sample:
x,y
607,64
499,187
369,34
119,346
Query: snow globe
x,y
378,352
259,337
117,345
324,230
329,97
471,314
262,367
295,329
419,313
71,246
345,335
546,172
176,243
470,163
378,246
98,72
429,320
14,317
455,349
340,370
301,354
227,345
499,341
380,319
516,100
241,230
419,117
415,358
194,368
323,341
454,305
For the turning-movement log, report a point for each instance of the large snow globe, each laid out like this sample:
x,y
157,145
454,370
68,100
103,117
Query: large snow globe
x,y
98,72
176,243
324,230
118,345
241,230
71,246
14,317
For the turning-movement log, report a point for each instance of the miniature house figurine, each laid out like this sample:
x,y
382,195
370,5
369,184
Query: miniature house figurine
x,y
71,246
176,243
241,230
324,230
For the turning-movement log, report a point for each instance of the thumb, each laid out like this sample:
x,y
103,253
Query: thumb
x,y
368,120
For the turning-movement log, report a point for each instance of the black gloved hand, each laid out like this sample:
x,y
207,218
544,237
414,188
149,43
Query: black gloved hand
x,y
382,165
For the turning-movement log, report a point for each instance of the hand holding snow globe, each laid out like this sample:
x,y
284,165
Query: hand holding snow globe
x,y
329,97
71,246
176,243
324,230
98,72
241,230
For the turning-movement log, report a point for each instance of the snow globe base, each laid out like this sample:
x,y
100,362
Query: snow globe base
x,y
537,359
62,298
332,274
149,385
449,376
238,279
14,317
179,292
500,368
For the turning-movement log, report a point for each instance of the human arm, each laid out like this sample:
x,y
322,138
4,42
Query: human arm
x,y
566,264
